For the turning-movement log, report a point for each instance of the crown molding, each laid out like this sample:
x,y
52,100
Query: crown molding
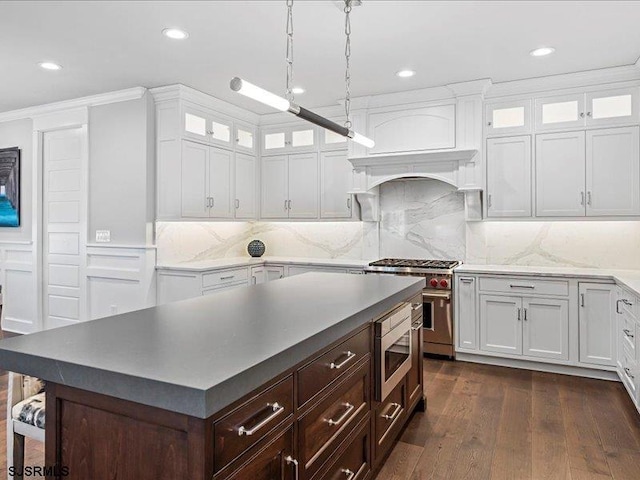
x,y
182,92
90,101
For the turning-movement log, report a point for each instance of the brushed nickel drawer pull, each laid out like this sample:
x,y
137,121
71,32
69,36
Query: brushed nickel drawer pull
x,y
350,474
342,417
466,280
626,302
277,410
229,277
628,372
416,306
417,326
396,412
627,333
338,366
522,286
290,460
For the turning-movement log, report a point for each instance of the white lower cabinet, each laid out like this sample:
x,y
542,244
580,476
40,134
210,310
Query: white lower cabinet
x,y
466,331
597,323
298,270
546,328
264,274
501,324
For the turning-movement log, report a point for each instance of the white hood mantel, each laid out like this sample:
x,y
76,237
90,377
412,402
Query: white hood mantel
x,y
457,167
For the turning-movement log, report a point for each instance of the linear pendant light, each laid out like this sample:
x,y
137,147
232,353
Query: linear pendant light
x,y
272,100
287,105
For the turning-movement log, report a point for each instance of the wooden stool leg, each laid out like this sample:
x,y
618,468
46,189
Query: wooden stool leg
x,y
18,455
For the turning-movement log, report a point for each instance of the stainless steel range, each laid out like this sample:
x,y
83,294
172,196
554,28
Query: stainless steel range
x,y
437,319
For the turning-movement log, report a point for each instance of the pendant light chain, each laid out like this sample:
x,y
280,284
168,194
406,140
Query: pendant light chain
x,y
347,54
290,95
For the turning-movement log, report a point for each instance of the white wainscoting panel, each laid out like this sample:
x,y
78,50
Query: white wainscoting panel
x,y
19,296
119,280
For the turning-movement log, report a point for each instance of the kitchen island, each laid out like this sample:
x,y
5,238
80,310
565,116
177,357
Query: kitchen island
x,y
268,381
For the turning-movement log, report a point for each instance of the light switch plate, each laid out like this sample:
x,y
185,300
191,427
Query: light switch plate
x,y
103,236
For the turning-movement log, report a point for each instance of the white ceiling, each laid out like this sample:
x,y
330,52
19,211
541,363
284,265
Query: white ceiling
x,y
107,46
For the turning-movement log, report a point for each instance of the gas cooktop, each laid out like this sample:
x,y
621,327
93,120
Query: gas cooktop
x,y
415,263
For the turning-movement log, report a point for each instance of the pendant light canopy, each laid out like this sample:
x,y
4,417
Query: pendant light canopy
x,y
287,104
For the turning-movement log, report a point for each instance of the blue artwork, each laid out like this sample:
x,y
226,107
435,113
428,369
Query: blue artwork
x,y
10,187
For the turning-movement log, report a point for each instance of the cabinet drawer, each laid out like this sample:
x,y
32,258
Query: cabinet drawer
x,y
628,334
519,285
224,277
416,307
355,461
317,375
627,303
388,419
629,374
250,422
327,424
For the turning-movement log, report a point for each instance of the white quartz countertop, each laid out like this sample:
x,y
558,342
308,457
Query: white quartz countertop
x,y
250,261
626,278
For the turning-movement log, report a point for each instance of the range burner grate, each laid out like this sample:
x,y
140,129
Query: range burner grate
x,y
415,263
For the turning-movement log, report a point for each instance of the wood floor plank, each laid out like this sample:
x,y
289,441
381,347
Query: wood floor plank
x,y
607,411
401,462
624,464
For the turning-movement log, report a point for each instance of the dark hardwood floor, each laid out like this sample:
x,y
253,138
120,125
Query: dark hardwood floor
x,y
485,422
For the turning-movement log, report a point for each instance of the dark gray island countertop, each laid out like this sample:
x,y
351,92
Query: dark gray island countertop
x,y
198,356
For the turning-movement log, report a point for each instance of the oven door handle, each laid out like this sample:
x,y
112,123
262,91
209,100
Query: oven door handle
x,y
436,294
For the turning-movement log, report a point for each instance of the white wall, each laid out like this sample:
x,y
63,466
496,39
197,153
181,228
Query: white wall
x,y
121,171
19,133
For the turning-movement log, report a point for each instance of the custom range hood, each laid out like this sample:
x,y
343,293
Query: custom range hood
x,y
458,167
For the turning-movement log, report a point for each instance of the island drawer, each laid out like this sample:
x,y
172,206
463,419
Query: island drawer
x,y
252,421
522,285
224,277
355,461
388,419
315,376
329,422
416,307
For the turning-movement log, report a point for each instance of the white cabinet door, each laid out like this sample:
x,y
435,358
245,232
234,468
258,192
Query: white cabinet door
x,y
546,328
303,139
175,286
273,273
553,113
418,129
245,183
508,118
195,183
220,183
275,140
560,175
220,131
245,137
509,177
613,107
501,324
597,323
303,186
335,183
274,187
195,124
257,276
613,171
466,313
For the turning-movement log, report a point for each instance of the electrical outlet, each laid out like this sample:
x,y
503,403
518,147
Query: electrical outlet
x,y
114,309
103,236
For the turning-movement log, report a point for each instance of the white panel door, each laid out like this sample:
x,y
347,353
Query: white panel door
x,y
613,171
546,328
258,275
501,324
335,182
597,323
466,313
245,182
560,175
275,193
222,204
509,177
195,184
274,273
64,157
303,186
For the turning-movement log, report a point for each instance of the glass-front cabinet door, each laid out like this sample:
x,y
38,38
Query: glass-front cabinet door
x,y
289,139
507,118
613,107
245,137
195,124
559,112
303,138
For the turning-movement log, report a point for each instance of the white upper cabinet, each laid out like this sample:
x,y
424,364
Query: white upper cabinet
x,y
332,141
287,139
245,137
558,112
508,118
597,323
195,183
202,126
509,176
613,107
560,175
220,182
275,183
426,128
613,171
245,183
335,182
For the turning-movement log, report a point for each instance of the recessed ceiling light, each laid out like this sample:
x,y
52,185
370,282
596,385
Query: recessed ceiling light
x,y
541,52
50,66
175,33
298,90
405,73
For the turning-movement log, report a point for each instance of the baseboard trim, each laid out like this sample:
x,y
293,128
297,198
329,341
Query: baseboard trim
x,y
540,367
